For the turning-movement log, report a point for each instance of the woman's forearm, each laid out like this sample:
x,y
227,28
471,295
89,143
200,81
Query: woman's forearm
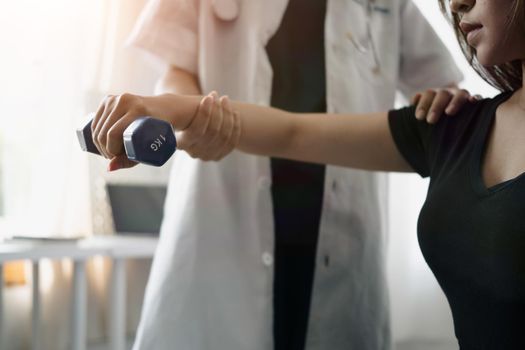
x,y
358,141
265,130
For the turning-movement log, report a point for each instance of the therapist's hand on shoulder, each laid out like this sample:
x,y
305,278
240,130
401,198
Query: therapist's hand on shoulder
x,y
432,104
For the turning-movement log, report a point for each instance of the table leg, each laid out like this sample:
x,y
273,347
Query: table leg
x,y
79,305
37,308
117,332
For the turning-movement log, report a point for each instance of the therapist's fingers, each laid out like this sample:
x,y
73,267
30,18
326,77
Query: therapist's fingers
x,y
199,123
235,136
424,103
415,99
214,130
189,138
459,98
438,106
205,147
222,143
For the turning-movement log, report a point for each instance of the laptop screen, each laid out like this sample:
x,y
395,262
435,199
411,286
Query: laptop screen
x,y
137,209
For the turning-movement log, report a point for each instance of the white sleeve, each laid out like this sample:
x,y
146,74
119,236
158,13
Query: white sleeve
x,y
167,29
425,61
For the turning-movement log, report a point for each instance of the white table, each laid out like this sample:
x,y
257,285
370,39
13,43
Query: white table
x,y
118,248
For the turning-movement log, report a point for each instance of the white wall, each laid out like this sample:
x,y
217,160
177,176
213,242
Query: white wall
x,y
54,71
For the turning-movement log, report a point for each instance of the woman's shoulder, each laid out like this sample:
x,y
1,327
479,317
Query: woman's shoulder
x,y
455,134
473,113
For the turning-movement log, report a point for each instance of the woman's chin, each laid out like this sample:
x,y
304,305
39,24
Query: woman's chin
x,y
489,61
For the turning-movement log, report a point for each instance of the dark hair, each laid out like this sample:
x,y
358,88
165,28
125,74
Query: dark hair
x,y
504,77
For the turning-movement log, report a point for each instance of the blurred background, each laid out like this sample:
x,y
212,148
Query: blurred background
x,y
59,58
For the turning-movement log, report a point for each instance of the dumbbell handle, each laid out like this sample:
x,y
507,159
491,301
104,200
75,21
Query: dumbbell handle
x,y
146,140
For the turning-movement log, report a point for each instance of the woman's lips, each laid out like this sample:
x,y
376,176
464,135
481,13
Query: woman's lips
x,y
471,30
472,35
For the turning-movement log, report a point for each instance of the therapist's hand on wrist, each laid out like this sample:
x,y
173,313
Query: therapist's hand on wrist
x,y
432,104
213,132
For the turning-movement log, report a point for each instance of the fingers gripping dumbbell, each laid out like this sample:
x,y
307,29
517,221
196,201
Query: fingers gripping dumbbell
x,y
147,140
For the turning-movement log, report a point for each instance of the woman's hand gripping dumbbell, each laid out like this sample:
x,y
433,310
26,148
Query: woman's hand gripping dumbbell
x,y
208,128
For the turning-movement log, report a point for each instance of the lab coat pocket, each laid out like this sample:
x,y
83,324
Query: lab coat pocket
x,y
373,59
372,42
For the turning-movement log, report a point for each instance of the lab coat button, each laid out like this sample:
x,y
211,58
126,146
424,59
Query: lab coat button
x,y
264,183
327,260
267,259
226,10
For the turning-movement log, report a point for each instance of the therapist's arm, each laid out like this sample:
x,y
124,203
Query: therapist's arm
x,y
178,81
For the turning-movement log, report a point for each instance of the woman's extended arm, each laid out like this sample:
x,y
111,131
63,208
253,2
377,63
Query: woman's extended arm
x,y
357,141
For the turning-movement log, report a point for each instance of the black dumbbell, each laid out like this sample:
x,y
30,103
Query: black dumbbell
x,y
147,140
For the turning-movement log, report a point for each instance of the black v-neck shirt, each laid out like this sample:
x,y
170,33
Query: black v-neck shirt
x,y
472,237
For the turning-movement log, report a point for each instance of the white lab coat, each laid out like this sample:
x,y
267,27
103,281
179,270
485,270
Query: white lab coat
x,y
211,283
